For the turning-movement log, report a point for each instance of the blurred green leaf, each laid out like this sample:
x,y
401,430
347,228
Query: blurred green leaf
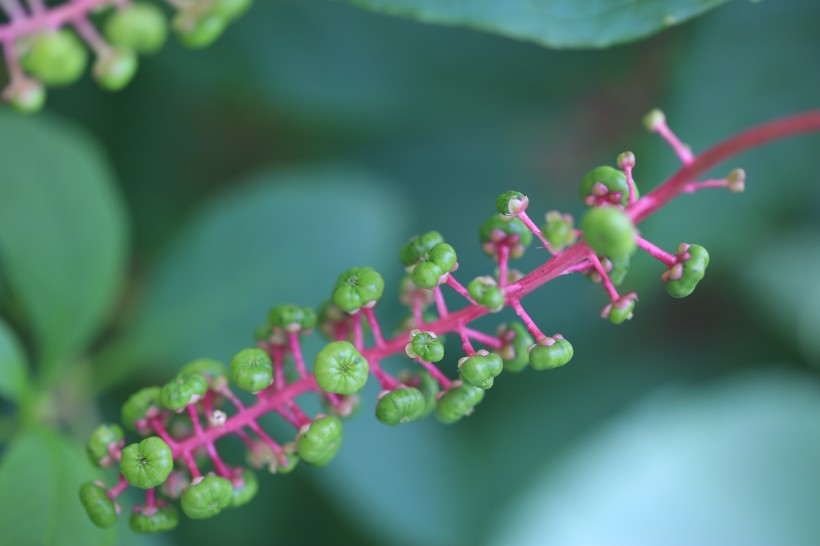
x,y
13,365
735,463
40,476
62,232
553,23
279,237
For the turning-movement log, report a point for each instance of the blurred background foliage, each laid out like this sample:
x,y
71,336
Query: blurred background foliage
x,y
159,224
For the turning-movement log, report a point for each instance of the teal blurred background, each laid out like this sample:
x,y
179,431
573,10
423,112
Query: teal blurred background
x,y
316,136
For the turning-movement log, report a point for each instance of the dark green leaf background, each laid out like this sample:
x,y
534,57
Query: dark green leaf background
x,y
316,136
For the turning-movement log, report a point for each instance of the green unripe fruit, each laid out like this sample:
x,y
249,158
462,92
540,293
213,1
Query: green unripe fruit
x,y
340,368
319,442
55,58
610,178
517,341
357,287
140,405
115,70
100,509
210,369
231,9
97,447
164,518
559,230
252,370
609,231
400,406
292,318
511,203
485,291
689,272
26,96
621,310
207,498
481,369
184,389
496,230
556,355
418,246
430,388
424,345
147,464
140,26
440,260
244,488
197,31
458,403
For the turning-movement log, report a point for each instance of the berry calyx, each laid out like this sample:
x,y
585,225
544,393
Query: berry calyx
x,y
621,309
497,232
605,185
516,341
511,203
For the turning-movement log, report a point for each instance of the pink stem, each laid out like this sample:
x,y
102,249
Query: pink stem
x,y
296,351
374,326
52,18
418,312
358,334
116,491
300,415
91,35
466,346
220,467
485,339
441,306
150,498
659,254
631,183
683,152
535,231
528,322
503,262
188,458
245,438
458,287
155,423
279,379
387,381
289,417
692,187
607,282
436,374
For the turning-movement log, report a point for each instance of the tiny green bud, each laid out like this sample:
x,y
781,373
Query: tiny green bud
x,y
197,30
457,403
340,368
55,57
357,287
184,389
516,341
252,370
736,180
292,318
559,230
25,95
418,246
510,203
609,231
400,406
432,266
318,442
245,487
654,119
620,310
513,232
102,511
485,291
481,369
144,403
140,26
605,183
159,520
207,498
626,160
547,357
98,445
424,345
148,463
115,69
682,278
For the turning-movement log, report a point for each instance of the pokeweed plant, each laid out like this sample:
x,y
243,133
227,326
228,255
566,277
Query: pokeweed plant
x,y
48,46
181,422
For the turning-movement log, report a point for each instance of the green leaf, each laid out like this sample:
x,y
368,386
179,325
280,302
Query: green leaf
x,y
734,463
552,23
40,476
62,232
280,237
13,365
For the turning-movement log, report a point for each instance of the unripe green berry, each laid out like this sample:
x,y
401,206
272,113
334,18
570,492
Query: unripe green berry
x,y
682,279
609,231
199,30
55,58
357,287
424,345
440,260
543,357
26,96
252,370
318,442
606,181
207,498
430,388
140,26
100,509
140,405
244,488
481,369
99,442
148,463
457,403
485,291
511,203
496,230
654,119
418,246
400,406
184,389
159,520
114,70
620,310
212,370
292,318
559,230
516,343
340,368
